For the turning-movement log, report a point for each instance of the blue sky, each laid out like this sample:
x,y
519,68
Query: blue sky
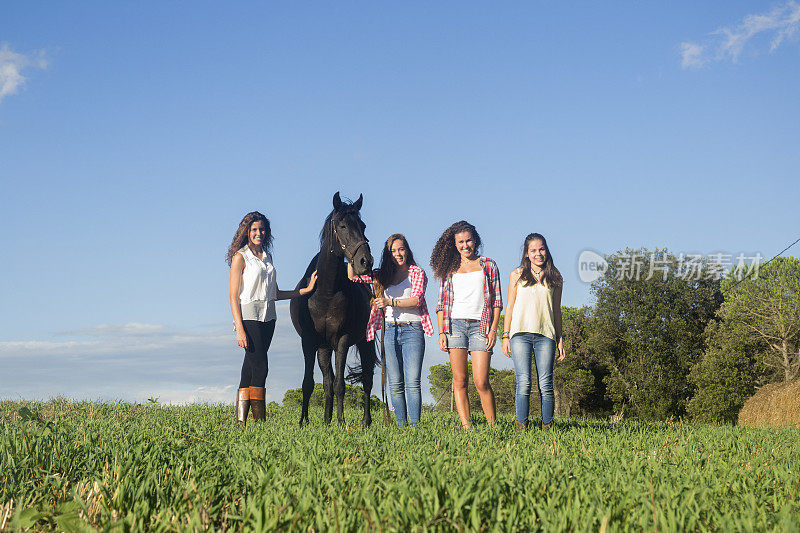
x,y
133,137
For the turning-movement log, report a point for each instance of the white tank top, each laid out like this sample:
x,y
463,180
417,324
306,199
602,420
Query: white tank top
x,y
402,314
533,311
259,287
468,295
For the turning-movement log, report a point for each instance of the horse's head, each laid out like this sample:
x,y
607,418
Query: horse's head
x,y
347,234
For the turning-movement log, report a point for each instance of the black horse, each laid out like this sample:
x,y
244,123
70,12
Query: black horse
x,y
334,317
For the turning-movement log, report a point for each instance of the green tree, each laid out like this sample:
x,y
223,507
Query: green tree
x,y
726,375
753,341
578,380
768,309
441,380
648,323
504,385
353,397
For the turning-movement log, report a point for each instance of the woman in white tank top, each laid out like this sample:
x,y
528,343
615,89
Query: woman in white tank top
x,y
533,326
467,311
253,291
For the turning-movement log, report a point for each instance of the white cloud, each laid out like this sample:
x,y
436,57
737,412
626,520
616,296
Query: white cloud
x,y
136,361
692,55
117,330
728,43
184,396
118,339
12,65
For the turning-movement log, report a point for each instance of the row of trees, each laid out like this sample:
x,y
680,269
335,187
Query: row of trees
x,y
663,343
353,397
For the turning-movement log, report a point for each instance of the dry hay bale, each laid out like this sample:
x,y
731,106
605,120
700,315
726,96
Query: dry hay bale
x,y
776,404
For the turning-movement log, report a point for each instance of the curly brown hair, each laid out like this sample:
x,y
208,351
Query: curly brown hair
x,y
240,238
388,268
445,258
551,277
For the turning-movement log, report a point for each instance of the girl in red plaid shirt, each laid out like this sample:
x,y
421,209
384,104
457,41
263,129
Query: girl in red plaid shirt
x,y
400,299
468,311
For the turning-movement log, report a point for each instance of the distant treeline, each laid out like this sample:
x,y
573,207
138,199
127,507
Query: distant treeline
x,y
659,343
353,397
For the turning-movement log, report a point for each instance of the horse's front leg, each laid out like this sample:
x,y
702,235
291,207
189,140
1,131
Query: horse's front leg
x,y
324,358
341,364
309,351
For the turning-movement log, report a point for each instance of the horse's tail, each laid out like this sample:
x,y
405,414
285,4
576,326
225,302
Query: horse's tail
x,y
357,373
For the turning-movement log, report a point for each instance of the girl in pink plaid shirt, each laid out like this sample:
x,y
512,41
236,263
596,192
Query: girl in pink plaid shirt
x,y
400,299
468,311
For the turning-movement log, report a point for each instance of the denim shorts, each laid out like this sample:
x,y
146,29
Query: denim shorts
x,y
466,335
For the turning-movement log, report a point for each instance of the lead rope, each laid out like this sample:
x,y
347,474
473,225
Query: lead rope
x,y
387,418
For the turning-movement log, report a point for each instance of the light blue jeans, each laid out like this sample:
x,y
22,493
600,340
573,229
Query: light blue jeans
x,y
404,343
466,334
543,349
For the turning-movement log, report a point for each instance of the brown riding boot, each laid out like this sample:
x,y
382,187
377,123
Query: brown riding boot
x,y
547,427
242,405
521,426
257,404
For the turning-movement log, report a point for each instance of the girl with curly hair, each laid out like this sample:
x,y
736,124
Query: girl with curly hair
x,y
468,311
533,326
400,300
253,291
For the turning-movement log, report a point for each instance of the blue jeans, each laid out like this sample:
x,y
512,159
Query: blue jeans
x,y
544,353
404,343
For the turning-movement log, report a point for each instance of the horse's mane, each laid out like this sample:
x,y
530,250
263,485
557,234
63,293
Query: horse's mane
x,y
345,210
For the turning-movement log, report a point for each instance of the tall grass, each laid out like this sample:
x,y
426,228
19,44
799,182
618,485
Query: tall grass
x,y
77,465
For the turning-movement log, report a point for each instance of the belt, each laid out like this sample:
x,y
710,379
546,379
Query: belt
x,y
402,322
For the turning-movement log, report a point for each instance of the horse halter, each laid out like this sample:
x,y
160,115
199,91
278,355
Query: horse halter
x,y
349,254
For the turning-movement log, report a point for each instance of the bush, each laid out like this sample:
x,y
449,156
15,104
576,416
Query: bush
x,y
353,397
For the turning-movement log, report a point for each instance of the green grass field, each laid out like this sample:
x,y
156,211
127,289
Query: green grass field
x,y
76,466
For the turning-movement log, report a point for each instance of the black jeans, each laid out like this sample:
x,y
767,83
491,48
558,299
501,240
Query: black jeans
x,y
255,367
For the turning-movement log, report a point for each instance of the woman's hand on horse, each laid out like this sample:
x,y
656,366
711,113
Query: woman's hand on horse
x,y
311,282
241,339
507,347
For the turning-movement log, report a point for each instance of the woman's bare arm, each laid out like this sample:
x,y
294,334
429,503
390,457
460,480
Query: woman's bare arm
x,y
237,268
557,324
512,297
288,295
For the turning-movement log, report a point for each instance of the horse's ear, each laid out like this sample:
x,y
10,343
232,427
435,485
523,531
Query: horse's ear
x,y
337,201
357,203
